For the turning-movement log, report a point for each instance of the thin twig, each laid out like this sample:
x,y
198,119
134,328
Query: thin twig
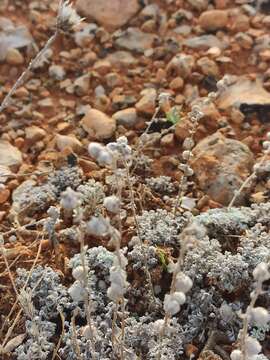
x,y
27,71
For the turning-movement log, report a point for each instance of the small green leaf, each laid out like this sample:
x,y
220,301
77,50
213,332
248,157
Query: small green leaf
x,y
162,258
173,115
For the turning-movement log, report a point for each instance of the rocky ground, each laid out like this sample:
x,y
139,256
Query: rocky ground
x,y
107,79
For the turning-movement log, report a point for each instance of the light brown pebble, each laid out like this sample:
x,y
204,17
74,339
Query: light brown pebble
x,y
4,195
14,57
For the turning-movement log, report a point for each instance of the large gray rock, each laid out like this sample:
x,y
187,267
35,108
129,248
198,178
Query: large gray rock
x,y
221,165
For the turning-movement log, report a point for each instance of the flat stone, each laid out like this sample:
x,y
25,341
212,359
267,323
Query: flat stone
x,y
14,57
134,39
204,42
65,141
208,67
220,166
147,103
247,95
111,14
198,4
122,58
9,155
181,65
213,20
126,117
34,133
98,125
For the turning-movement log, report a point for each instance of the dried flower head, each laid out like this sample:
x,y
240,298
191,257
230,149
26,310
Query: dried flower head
x,y
67,17
261,272
70,199
112,203
98,226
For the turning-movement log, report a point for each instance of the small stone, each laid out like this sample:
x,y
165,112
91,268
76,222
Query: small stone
x,y
9,155
208,67
177,83
205,42
57,72
265,55
111,14
198,4
81,85
98,125
14,57
240,23
113,80
182,129
34,133
4,195
46,103
121,59
134,39
102,67
64,141
244,40
167,141
213,20
147,104
21,93
126,117
181,65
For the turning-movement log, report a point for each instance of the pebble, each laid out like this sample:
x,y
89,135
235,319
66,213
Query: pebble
x,y
122,58
213,20
4,195
82,85
167,141
46,103
98,125
34,133
181,65
9,155
198,4
14,57
64,141
177,83
205,42
57,72
112,15
208,67
127,117
147,104
134,39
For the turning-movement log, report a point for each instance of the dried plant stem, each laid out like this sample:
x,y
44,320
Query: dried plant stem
x,y
167,317
133,207
16,302
87,299
246,182
74,338
2,249
27,71
244,331
114,319
62,316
